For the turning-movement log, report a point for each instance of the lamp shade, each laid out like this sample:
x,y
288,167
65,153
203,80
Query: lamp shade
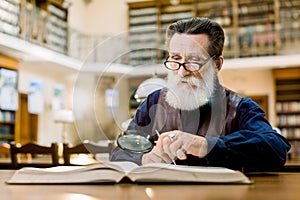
x,y
149,86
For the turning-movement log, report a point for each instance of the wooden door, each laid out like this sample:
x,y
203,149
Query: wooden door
x,y
28,123
262,101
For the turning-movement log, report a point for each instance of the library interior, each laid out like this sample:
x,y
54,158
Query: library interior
x,y
72,70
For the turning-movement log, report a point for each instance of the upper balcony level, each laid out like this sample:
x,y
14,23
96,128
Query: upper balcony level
x,y
40,32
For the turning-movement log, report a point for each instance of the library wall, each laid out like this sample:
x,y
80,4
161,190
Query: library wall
x,y
48,130
77,13
252,82
114,13
101,115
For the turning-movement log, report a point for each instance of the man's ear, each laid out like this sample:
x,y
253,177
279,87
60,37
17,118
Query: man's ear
x,y
219,62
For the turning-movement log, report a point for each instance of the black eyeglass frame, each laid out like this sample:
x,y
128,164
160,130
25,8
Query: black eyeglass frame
x,y
200,65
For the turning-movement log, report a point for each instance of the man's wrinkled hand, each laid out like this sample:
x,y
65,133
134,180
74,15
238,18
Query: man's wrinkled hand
x,y
176,144
156,155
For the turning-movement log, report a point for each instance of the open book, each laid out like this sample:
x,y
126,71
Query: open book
x,y
116,172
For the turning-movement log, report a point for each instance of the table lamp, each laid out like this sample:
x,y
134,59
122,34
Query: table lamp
x,y
64,116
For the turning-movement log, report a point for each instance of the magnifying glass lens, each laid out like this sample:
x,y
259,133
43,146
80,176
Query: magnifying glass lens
x,y
134,143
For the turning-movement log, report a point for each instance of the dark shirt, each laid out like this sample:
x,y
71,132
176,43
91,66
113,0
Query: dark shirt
x,y
253,144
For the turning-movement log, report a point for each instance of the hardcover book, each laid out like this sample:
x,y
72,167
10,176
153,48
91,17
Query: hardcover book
x,y
117,172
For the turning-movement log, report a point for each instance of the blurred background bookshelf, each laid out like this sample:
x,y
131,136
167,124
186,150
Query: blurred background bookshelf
x,y
287,84
7,126
9,99
252,27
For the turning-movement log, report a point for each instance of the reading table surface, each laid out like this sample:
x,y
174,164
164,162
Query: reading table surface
x,y
284,185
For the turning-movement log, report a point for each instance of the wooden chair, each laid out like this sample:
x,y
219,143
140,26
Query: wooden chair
x,y
5,162
33,149
4,150
86,147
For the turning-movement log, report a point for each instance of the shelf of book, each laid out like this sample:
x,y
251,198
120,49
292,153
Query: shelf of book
x,y
57,27
10,17
287,95
7,126
252,27
289,20
222,12
8,98
44,22
142,33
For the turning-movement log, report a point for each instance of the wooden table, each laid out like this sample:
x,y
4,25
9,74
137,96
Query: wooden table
x,y
266,186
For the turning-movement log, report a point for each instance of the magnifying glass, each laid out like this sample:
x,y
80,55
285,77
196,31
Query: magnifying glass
x,y
134,142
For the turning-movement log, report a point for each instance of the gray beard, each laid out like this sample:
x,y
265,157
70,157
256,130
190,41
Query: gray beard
x,y
192,95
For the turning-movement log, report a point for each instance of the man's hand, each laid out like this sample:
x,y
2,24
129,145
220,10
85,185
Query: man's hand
x,y
176,144
156,155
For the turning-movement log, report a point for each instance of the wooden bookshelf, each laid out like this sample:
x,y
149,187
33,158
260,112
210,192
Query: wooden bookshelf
x,y
8,113
289,20
262,101
223,13
16,124
252,27
45,22
57,26
143,31
256,22
10,17
287,94
168,14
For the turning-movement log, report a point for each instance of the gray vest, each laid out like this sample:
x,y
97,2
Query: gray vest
x,y
216,118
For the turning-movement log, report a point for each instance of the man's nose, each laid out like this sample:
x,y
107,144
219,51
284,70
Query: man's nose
x,y
182,72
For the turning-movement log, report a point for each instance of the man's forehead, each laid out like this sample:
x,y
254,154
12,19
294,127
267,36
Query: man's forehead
x,y
188,43
188,53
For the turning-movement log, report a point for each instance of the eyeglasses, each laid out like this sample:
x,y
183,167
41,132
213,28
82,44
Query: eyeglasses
x,y
188,66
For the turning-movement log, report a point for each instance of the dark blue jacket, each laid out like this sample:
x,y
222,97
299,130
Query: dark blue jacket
x,y
251,144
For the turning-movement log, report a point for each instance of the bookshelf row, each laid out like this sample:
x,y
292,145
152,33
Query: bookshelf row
x,y
291,133
294,153
6,132
252,28
7,116
287,106
8,98
43,22
57,28
47,24
10,17
288,120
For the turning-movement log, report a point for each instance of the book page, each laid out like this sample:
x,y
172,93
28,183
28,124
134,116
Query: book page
x,y
90,176
100,172
124,166
66,169
58,169
158,172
